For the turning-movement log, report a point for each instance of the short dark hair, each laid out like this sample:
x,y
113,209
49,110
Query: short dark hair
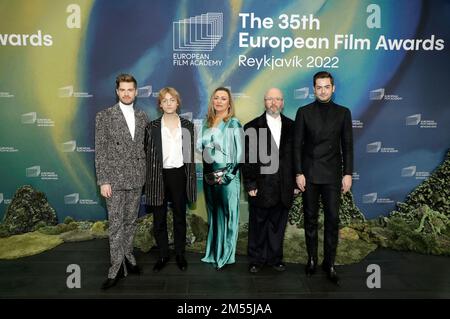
x,y
125,78
323,75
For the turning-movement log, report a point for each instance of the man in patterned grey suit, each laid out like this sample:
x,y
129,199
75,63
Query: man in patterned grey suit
x,y
120,167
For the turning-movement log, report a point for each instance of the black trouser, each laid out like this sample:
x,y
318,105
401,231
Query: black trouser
x,y
175,192
331,195
266,233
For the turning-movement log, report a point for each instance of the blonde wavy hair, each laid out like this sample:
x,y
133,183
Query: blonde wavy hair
x,y
211,116
172,92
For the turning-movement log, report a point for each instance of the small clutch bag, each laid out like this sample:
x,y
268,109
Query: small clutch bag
x,y
213,177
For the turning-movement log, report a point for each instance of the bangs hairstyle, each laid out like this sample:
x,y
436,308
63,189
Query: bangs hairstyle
x,y
172,92
211,116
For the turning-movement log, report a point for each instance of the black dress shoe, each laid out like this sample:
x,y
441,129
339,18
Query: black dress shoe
x,y
110,282
160,264
254,268
331,273
279,266
132,269
311,266
181,262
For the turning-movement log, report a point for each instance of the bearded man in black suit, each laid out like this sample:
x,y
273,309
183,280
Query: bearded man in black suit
x,y
269,180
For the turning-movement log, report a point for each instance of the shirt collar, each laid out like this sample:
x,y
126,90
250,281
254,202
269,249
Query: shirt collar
x,y
271,119
126,107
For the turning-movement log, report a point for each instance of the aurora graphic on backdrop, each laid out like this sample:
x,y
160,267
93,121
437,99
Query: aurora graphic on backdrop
x,y
49,94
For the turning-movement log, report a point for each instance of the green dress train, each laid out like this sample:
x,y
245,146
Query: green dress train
x,y
222,147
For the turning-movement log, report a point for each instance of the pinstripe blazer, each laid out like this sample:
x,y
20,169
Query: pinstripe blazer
x,y
119,160
154,185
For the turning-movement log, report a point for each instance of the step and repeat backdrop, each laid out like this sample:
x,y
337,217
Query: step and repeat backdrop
x,y
59,60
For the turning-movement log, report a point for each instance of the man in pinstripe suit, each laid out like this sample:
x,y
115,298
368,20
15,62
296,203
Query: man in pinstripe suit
x,y
120,168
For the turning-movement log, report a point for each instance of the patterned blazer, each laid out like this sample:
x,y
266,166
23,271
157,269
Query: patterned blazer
x,y
119,160
154,185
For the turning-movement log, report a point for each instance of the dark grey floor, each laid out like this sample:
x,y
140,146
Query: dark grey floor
x,y
403,275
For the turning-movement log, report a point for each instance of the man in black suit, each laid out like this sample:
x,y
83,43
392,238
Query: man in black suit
x,y
323,154
269,181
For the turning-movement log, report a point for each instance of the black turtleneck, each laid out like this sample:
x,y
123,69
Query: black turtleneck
x,y
323,108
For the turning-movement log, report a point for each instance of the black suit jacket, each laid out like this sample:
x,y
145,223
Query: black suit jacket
x,y
154,184
323,150
279,184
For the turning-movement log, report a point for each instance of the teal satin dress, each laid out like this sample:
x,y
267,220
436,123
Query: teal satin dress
x,y
222,147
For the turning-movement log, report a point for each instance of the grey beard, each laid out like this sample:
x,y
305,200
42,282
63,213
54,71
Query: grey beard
x,y
272,113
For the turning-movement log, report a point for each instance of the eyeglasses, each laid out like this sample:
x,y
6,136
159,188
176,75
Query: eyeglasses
x,y
270,99
168,101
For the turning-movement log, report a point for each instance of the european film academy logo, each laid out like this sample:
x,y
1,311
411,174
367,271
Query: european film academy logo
x,y
302,94
145,91
6,95
380,94
31,118
74,199
197,34
71,199
416,120
71,146
35,171
200,33
372,198
375,147
68,91
411,171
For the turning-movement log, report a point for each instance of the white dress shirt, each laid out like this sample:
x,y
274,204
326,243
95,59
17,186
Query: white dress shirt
x,y
275,127
128,112
172,146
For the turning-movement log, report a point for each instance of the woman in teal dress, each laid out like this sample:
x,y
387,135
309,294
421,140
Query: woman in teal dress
x,y
222,146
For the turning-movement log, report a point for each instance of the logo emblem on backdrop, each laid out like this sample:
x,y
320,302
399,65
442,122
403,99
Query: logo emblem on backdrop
x,y
302,93
29,118
376,94
71,199
200,33
68,91
145,91
413,119
370,198
409,171
69,146
33,171
380,94
374,147
416,120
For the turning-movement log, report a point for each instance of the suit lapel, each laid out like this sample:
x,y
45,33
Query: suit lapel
x,y
186,140
284,133
121,123
271,144
156,132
